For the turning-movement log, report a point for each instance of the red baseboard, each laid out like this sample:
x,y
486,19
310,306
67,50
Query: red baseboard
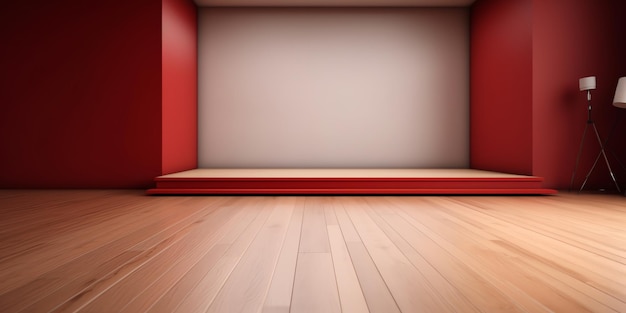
x,y
455,191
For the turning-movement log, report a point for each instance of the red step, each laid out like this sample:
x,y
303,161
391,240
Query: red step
x,y
508,184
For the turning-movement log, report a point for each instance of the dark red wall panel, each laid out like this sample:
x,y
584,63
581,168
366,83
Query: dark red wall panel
x,y
180,71
527,114
586,39
501,86
81,93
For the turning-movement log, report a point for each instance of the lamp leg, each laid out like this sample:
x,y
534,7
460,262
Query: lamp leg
x,y
606,160
593,167
580,150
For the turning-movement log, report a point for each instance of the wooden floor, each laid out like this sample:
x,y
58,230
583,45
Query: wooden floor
x,y
121,251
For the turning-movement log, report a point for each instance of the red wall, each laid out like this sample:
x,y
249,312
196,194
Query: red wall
x,y
535,51
179,80
95,96
588,38
501,86
81,97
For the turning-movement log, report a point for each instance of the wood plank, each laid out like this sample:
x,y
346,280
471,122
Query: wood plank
x,y
315,289
201,296
582,276
453,280
376,293
350,294
47,290
247,285
198,233
345,223
173,285
487,258
523,289
400,233
278,299
595,275
572,231
60,230
314,235
329,211
408,286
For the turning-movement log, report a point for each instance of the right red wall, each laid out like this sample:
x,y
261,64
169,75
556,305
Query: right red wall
x,y
540,135
574,39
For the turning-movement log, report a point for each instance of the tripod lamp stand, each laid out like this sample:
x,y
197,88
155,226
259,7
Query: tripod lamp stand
x,y
587,84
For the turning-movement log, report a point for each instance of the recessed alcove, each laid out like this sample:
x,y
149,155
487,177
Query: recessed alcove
x,y
338,100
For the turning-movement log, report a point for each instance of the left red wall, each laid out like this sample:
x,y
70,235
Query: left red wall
x,y
81,96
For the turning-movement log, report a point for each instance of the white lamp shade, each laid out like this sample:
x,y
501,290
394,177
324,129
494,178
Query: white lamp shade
x,y
587,83
620,94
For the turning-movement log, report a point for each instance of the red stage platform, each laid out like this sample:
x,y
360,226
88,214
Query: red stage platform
x,y
346,181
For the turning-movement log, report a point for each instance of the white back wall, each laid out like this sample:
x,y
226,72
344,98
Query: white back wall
x,y
333,87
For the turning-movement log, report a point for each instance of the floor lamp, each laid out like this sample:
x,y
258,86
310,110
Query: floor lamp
x,y
620,96
587,84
